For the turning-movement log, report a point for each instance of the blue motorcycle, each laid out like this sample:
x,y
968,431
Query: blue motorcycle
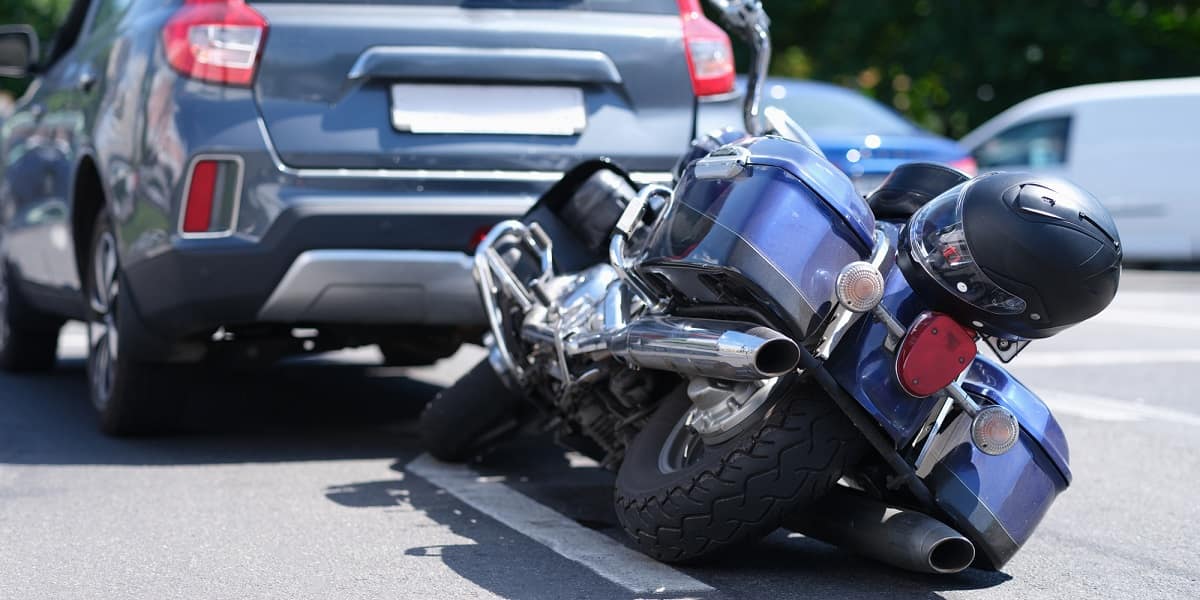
x,y
759,346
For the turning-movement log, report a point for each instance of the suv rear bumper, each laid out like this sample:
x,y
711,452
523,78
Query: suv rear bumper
x,y
318,264
376,286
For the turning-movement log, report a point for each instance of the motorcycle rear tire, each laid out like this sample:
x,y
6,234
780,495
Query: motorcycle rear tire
x,y
469,416
739,490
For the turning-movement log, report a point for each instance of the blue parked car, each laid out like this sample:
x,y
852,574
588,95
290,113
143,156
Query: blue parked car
x,y
861,136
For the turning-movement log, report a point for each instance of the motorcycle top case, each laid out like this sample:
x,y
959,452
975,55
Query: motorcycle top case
x,y
774,235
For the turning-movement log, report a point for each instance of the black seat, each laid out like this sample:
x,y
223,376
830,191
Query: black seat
x,y
909,186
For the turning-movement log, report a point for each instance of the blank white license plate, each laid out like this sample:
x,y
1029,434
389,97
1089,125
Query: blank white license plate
x,y
488,109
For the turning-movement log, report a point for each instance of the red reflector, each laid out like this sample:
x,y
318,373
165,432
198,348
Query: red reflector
x,y
709,52
197,216
478,237
933,354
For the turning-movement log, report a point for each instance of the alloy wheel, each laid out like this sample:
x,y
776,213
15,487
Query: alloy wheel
x,y
682,448
103,339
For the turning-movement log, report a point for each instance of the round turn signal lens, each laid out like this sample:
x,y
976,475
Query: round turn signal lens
x,y
859,286
995,430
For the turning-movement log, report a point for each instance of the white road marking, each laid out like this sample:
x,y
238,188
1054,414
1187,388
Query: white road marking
x,y
1099,408
625,567
1159,297
1149,318
1083,358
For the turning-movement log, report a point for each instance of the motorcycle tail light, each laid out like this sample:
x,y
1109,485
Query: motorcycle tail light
x,y
933,354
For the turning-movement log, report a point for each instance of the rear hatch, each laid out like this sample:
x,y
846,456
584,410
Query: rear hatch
x,y
480,85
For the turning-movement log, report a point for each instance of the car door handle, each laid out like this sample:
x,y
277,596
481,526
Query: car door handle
x,y
87,81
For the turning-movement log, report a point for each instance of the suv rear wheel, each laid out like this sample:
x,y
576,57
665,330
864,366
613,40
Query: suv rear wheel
x,y
420,345
28,339
131,396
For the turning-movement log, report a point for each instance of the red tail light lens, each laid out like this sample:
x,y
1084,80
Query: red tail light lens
x,y
966,165
934,352
211,202
215,40
197,216
709,53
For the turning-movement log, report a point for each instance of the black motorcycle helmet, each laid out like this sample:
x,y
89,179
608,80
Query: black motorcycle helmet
x,y
1013,255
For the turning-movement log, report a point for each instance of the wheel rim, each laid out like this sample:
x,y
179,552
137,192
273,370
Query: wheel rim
x,y
685,445
103,339
682,448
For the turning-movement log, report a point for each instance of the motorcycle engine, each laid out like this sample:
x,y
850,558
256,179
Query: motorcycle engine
x,y
596,404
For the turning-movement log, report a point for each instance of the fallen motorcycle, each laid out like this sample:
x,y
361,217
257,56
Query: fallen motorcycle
x,y
760,346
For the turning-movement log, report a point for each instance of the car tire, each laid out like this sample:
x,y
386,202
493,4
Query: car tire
x,y
420,346
28,338
469,416
738,490
131,397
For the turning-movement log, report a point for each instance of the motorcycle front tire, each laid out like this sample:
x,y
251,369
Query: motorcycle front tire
x,y
739,490
471,415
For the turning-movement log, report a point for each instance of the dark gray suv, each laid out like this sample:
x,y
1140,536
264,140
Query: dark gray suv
x,y
206,178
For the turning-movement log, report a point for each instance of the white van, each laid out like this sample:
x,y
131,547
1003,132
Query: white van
x,y
1134,144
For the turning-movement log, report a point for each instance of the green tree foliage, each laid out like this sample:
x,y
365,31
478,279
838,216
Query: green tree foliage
x,y
43,15
951,65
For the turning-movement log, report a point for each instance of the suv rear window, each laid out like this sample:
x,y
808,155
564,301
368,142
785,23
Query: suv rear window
x,y
653,7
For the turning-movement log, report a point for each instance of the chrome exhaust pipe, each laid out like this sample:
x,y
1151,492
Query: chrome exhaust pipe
x,y
899,537
704,347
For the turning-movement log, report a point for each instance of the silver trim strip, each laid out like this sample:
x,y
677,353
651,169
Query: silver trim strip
x,y
642,177
604,65
237,196
424,204
376,287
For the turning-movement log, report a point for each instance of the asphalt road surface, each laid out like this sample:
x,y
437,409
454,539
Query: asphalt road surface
x,y
305,481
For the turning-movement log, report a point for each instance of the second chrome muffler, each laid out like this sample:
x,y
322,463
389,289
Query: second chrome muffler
x,y
704,347
899,537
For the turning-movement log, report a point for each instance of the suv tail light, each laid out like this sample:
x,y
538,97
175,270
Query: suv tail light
x,y
934,352
709,52
215,40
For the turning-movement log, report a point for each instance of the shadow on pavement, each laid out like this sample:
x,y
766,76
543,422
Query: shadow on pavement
x,y
279,413
492,556
783,565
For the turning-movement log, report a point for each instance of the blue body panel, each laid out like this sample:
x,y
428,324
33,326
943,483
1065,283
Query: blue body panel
x,y
997,501
832,185
785,225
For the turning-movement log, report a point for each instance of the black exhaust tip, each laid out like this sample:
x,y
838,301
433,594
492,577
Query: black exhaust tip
x,y
952,555
777,356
